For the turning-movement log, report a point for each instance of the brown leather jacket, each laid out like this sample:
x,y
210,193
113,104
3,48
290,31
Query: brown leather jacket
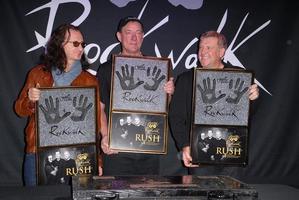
x,y
25,108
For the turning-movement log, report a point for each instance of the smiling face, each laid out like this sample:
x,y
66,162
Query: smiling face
x,y
129,120
57,155
121,122
67,155
218,134
50,158
210,53
72,53
131,38
202,136
210,133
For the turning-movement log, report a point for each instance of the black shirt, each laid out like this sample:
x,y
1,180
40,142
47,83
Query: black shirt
x,y
104,77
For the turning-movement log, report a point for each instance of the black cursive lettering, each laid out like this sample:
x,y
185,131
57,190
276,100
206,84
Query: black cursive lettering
x,y
128,97
210,111
65,131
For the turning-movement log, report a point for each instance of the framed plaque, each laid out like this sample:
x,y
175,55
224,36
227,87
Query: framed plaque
x,y
221,97
219,145
138,132
66,116
138,82
56,165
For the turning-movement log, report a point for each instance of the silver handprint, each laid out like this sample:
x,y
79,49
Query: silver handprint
x,y
208,92
155,77
237,90
81,107
51,111
127,79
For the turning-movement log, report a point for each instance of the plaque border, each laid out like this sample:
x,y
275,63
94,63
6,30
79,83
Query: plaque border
x,y
118,148
244,127
144,58
71,88
145,111
226,70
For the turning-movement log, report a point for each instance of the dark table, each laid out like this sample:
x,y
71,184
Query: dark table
x,y
63,192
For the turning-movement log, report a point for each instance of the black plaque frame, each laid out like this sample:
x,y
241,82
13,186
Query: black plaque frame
x,y
138,132
73,161
220,104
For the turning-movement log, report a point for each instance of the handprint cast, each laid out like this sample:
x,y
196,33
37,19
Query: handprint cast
x,y
155,78
237,91
127,78
127,82
208,91
52,113
81,108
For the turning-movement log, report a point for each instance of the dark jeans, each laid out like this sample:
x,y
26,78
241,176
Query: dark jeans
x,y
131,164
29,170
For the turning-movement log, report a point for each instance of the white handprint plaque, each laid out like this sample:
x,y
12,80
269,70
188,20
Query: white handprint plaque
x,y
138,83
66,116
221,97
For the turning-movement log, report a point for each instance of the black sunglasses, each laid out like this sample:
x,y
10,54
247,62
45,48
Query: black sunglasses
x,y
76,43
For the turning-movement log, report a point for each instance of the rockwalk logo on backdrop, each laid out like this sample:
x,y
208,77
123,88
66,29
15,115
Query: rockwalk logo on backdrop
x,y
191,59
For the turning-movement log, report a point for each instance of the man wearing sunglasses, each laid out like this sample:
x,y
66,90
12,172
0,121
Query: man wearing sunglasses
x,y
130,35
63,64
